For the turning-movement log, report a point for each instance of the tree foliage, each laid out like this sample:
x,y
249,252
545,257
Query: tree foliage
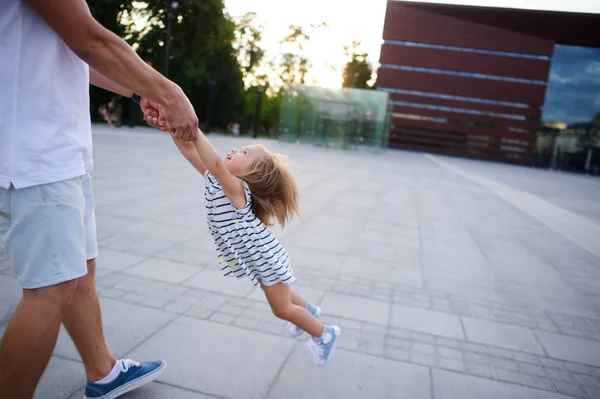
x,y
357,72
109,13
202,39
209,45
248,35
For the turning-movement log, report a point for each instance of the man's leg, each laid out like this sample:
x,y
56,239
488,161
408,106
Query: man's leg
x,y
83,321
107,377
30,338
43,234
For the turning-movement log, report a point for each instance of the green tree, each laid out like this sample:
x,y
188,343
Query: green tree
x,y
109,13
250,56
296,35
291,68
202,39
248,35
357,72
269,112
294,66
201,50
270,104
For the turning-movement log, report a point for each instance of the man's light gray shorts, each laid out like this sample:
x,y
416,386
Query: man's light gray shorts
x,y
49,231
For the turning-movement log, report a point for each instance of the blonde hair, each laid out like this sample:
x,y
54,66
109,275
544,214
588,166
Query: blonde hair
x,y
273,188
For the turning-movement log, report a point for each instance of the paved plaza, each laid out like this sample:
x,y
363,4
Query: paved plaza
x,y
450,279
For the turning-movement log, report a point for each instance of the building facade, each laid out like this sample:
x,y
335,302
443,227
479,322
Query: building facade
x,y
472,81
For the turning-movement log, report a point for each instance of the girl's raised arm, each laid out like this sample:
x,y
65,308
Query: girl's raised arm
x,y
232,186
189,152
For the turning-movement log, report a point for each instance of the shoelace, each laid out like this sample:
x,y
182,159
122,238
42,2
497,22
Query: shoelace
x,y
127,363
318,347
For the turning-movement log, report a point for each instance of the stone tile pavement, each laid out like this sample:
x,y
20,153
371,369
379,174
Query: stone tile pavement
x,y
450,278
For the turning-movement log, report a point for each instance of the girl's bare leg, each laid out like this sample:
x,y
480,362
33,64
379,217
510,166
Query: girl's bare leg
x,y
297,299
280,299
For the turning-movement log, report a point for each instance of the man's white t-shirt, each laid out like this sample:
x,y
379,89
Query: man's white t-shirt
x,y
45,130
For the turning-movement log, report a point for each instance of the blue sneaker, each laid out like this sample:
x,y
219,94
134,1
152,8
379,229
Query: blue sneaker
x,y
296,331
323,348
132,376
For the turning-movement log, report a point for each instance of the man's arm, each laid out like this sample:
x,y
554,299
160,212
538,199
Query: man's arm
x,y
112,57
101,81
152,115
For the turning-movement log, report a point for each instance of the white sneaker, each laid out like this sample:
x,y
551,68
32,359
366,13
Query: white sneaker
x,y
323,348
296,331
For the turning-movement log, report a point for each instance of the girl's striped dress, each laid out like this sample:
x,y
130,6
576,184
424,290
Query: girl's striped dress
x,y
244,245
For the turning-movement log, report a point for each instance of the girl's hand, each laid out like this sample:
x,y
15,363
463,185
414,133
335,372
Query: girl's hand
x,y
154,114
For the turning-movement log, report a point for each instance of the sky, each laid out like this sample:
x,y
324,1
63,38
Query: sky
x,y
325,49
349,21
573,93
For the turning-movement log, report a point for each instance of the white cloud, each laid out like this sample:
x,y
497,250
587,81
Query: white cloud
x,y
563,80
593,68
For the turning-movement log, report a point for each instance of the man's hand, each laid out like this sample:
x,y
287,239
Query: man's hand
x,y
155,115
181,117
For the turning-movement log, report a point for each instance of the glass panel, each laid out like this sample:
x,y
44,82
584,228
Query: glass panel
x,y
339,118
570,139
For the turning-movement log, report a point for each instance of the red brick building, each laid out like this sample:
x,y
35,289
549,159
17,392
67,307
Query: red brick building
x,y
471,81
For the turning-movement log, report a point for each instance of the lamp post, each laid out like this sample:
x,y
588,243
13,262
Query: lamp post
x,y
256,127
209,108
170,16
355,77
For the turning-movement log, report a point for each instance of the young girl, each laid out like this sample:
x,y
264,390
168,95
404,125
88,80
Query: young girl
x,y
245,192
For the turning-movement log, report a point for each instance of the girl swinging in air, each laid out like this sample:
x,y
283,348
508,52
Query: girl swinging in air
x,y
246,191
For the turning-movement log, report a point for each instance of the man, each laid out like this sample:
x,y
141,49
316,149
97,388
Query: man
x,y
46,200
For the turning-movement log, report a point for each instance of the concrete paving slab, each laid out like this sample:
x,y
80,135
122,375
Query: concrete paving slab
x,y
350,375
213,280
498,334
321,241
451,385
216,359
61,378
125,326
389,235
356,308
115,260
170,272
370,269
188,254
427,321
326,263
386,253
575,349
